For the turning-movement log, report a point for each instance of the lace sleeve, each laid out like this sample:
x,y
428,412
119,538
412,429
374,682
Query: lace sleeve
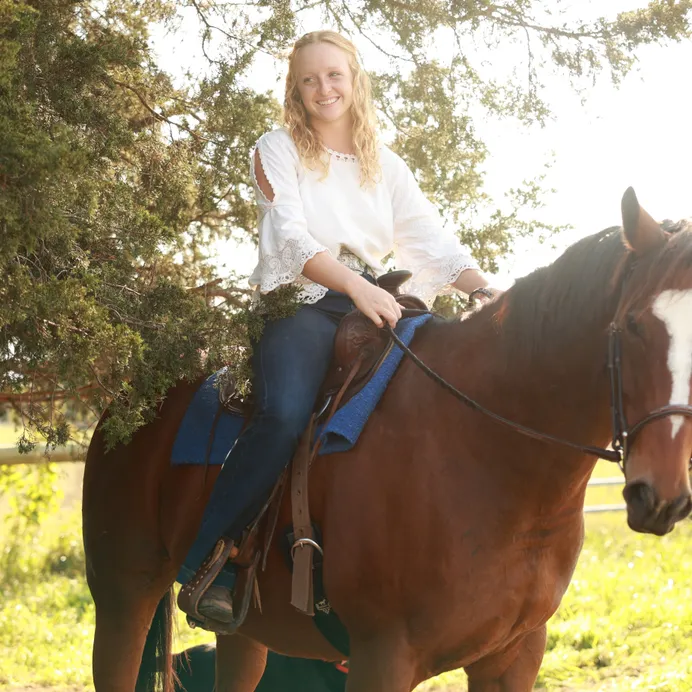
x,y
286,265
424,245
285,244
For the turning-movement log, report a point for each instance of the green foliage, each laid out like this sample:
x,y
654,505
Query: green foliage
x,y
37,496
117,177
32,495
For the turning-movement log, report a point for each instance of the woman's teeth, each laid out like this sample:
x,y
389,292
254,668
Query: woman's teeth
x,y
328,102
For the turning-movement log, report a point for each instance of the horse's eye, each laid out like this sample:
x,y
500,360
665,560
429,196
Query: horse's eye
x,y
634,327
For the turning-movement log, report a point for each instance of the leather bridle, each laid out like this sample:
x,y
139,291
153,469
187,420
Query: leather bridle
x,y
623,435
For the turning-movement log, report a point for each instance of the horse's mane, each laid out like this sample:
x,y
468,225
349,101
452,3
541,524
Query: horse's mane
x,y
552,305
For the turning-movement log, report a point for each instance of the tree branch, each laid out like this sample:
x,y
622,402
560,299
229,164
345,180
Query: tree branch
x,y
212,289
159,116
110,393
225,33
508,17
361,31
45,395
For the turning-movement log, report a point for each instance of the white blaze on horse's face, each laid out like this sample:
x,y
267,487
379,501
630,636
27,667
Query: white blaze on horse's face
x,y
674,309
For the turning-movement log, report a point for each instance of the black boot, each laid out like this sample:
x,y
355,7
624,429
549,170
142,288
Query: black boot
x,y
216,604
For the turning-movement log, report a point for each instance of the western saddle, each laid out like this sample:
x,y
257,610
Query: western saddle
x,y
357,340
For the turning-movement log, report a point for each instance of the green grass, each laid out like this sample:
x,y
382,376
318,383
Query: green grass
x,y
624,624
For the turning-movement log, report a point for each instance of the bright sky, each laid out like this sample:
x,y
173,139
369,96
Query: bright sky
x,y
638,134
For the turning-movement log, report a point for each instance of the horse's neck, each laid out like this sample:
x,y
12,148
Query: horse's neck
x,y
562,391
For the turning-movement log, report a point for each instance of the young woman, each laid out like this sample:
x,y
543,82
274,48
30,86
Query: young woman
x,y
332,204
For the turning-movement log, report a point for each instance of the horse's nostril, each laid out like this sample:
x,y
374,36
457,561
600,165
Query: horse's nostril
x,y
640,494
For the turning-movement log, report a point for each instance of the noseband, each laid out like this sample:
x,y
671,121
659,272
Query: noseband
x,y
623,435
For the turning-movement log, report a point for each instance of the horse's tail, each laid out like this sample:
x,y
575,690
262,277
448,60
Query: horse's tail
x,y
156,671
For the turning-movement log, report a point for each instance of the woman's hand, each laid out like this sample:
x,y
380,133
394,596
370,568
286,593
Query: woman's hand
x,y
374,302
487,295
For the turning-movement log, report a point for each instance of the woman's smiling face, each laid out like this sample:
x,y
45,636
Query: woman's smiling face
x,y
324,81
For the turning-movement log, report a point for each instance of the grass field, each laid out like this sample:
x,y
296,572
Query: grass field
x,y
625,623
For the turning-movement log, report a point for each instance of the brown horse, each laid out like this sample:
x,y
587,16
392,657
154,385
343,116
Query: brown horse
x,y
449,539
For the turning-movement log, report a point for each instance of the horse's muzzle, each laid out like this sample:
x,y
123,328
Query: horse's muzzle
x,y
647,515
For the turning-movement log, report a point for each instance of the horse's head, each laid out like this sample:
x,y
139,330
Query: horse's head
x,y
654,326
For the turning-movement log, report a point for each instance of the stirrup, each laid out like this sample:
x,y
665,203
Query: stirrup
x,y
192,592
244,587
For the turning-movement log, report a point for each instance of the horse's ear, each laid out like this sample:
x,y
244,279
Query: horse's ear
x,y
642,233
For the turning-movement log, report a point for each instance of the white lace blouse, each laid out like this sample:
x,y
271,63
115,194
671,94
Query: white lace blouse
x,y
358,226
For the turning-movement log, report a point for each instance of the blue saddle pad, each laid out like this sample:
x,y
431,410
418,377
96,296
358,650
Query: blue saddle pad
x,y
343,430
339,435
190,446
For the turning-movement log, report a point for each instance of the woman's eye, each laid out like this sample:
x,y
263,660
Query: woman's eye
x,y
307,80
335,74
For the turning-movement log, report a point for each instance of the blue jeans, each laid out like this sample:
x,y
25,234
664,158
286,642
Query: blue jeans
x,y
289,364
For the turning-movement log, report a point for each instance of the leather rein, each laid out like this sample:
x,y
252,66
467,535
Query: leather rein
x,y
623,435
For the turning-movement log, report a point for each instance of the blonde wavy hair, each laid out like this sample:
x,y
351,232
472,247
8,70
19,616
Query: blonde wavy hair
x,y
310,148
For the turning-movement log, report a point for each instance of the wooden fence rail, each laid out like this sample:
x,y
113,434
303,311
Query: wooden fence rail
x,y
600,482
9,456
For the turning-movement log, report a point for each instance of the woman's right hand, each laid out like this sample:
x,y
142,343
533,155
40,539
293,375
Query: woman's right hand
x,y
374,302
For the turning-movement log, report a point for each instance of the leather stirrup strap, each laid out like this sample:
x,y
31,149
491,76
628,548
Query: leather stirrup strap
x,y
301,586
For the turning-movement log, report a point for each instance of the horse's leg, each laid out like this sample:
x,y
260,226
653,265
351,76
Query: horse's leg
x,y
514,670
381,665
240,663
123,619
